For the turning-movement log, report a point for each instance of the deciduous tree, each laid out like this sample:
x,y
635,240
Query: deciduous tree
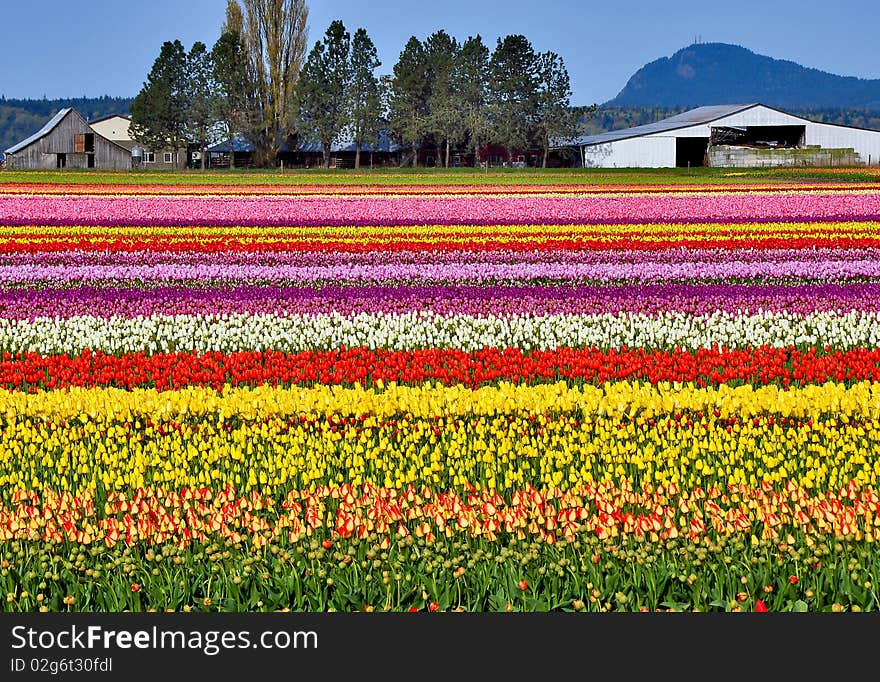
x,y
275,35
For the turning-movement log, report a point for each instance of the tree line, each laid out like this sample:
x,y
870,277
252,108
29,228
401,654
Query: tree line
x,y
260,82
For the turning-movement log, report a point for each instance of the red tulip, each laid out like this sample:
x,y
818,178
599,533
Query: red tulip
x,y
760,606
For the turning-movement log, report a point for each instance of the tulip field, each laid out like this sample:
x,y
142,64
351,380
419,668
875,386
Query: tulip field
x,y
416,397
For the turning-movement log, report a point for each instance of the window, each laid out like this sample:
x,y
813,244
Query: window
x,y
149,157
168,157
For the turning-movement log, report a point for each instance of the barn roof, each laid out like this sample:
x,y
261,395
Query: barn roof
x,y
42,132
686,119
108,117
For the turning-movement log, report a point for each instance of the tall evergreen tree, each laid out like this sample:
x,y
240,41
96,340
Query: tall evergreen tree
x,y
556,119
322,88
158,112
200,98
444,108
231,77
408,99
471,77
513,87
364,97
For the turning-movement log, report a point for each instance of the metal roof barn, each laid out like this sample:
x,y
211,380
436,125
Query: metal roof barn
x,y
733,135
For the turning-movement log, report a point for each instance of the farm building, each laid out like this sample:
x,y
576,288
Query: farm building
x,y
67,141
115,127
310,154
735,135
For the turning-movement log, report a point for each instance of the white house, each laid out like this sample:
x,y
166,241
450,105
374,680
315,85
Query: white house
x,y
116,127
730,135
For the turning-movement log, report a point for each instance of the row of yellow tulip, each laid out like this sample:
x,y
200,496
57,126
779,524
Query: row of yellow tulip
x,y
504,437
645,231
614,400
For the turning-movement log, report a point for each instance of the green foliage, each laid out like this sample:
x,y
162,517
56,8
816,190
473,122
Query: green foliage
x,y
556,119
231,82
408,105
444,118
159,112
513,92
322,88
471,78
200,93
471,574
365,102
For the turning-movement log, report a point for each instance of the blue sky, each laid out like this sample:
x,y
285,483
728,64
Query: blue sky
x,y
107,47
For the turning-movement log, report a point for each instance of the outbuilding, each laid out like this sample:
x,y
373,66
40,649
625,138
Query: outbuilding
x,y
67,141
732,135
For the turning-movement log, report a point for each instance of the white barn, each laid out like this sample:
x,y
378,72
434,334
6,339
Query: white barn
x,y
730,135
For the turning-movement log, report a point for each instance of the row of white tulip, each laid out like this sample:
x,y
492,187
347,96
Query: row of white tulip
x,y
243,332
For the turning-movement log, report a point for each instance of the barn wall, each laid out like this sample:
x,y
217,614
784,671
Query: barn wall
x,y
60,139
865,142
758,116
637,152
115,128
30,158
111,156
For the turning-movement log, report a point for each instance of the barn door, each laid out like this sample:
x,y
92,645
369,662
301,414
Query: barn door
x,y
79,143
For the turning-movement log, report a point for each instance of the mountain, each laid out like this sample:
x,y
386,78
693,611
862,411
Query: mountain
x,y
20,118
718,73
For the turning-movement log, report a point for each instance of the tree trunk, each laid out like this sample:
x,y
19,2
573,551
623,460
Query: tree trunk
x,y
447,153
231,149
546,151
204,150
357,155
326,155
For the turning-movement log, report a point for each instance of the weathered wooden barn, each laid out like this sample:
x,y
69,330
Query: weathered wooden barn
x,y
67,141
736,135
